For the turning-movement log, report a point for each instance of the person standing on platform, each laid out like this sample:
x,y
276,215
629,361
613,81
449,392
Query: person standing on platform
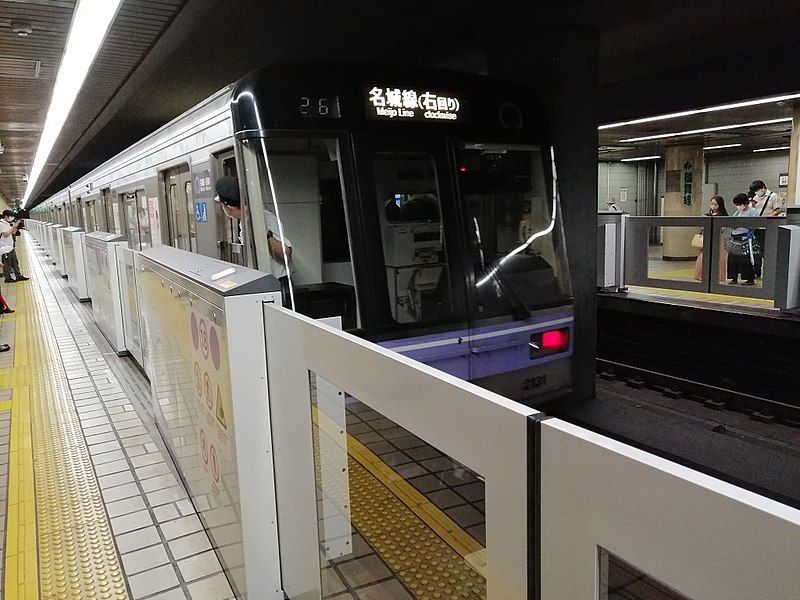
x,y
768,205
740,246
716,209
8,232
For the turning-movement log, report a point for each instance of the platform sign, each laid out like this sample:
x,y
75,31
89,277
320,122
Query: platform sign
x,y
403,103
201,212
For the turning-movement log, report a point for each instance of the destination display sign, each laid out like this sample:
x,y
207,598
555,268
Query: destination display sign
x,y
413,104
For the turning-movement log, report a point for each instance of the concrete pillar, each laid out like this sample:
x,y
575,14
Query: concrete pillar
x,y
683,198
561,64
794,173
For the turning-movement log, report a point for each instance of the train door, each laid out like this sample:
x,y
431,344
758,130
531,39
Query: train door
x,y
118,216
230,246
180,208
413,240
107,210
89,222
131,212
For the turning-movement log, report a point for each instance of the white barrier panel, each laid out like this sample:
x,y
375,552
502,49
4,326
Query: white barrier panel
x,y
103,283
52,242
129,303
483,431
787,278
704,538
76,264
65,253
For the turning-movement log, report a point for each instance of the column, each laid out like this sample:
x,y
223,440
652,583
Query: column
x,y
683,198
792,197
561,64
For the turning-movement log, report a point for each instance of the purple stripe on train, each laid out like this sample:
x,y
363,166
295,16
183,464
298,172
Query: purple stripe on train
x,y
452,353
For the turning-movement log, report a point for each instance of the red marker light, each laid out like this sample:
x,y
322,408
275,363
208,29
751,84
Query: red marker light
x,y
558,339
462,169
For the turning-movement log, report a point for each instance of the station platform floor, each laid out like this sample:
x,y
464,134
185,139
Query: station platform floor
x,y
90,501
96,507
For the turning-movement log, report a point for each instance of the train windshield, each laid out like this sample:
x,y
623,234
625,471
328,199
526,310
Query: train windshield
x,y
294,189
514,229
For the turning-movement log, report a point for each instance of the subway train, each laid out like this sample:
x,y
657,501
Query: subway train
x,y
421,206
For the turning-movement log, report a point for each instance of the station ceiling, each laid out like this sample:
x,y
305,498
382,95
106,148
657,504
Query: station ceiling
x,y
162,57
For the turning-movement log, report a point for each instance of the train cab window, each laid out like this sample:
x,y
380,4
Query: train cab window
x,y
407,192
296,199
514,230
88,216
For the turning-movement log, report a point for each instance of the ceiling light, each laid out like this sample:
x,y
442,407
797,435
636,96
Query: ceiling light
x,y
772,149
22,29
662,136
89,26
639,158
721,146
699,111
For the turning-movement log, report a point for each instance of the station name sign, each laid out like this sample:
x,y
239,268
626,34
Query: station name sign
x,y
408,104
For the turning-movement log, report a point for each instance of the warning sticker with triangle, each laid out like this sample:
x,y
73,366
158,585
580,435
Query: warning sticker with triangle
x,y
220,410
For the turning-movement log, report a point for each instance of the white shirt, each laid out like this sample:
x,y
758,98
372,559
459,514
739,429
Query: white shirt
x,y
7,239
278,267
772,203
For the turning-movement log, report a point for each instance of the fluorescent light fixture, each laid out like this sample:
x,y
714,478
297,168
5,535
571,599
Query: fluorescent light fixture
x,y
721,146
640,158
700,111
90,24
772,149
662,136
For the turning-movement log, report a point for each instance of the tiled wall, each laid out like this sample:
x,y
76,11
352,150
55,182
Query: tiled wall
x,y
734,174
621,175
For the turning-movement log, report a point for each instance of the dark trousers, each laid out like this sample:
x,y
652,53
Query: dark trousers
x,y
761,237
10,264
740,265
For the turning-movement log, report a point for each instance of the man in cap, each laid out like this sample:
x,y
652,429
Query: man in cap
x,y
9,225
280,248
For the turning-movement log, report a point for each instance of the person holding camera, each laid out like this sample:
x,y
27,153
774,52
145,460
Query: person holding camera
x,y
9,226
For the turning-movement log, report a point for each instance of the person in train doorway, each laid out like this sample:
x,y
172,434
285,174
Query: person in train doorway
x,y
9,230
611,206
767,204
280,248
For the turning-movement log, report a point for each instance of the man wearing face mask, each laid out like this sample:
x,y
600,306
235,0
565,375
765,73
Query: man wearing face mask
x,y
767,205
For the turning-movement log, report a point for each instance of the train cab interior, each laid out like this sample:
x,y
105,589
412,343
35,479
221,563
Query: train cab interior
x,y
409,230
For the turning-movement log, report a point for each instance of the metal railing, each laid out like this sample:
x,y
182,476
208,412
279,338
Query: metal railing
x,y
626,257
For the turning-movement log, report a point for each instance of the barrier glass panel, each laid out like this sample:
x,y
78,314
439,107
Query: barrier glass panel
x,y
620,580
397,518
678,257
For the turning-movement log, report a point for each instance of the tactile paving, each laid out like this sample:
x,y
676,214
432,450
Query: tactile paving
x,y
77,556
426,564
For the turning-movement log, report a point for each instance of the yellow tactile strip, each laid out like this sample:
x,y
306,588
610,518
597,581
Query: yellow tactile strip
x,y
77,556
423,547
426,564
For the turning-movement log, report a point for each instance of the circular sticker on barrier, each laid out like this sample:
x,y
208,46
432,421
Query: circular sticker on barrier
x,y
204,447
214,463
195,333
214,343
203,338
198,380
208,391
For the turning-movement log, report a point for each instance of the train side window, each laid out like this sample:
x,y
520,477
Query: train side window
x,y
88,216
228,242
514,230
417,278
296,198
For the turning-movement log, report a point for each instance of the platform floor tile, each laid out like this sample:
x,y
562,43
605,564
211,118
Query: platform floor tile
x,y
94,500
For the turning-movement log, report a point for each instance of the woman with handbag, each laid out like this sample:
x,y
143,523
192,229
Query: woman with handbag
x,y
742,246
716,209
